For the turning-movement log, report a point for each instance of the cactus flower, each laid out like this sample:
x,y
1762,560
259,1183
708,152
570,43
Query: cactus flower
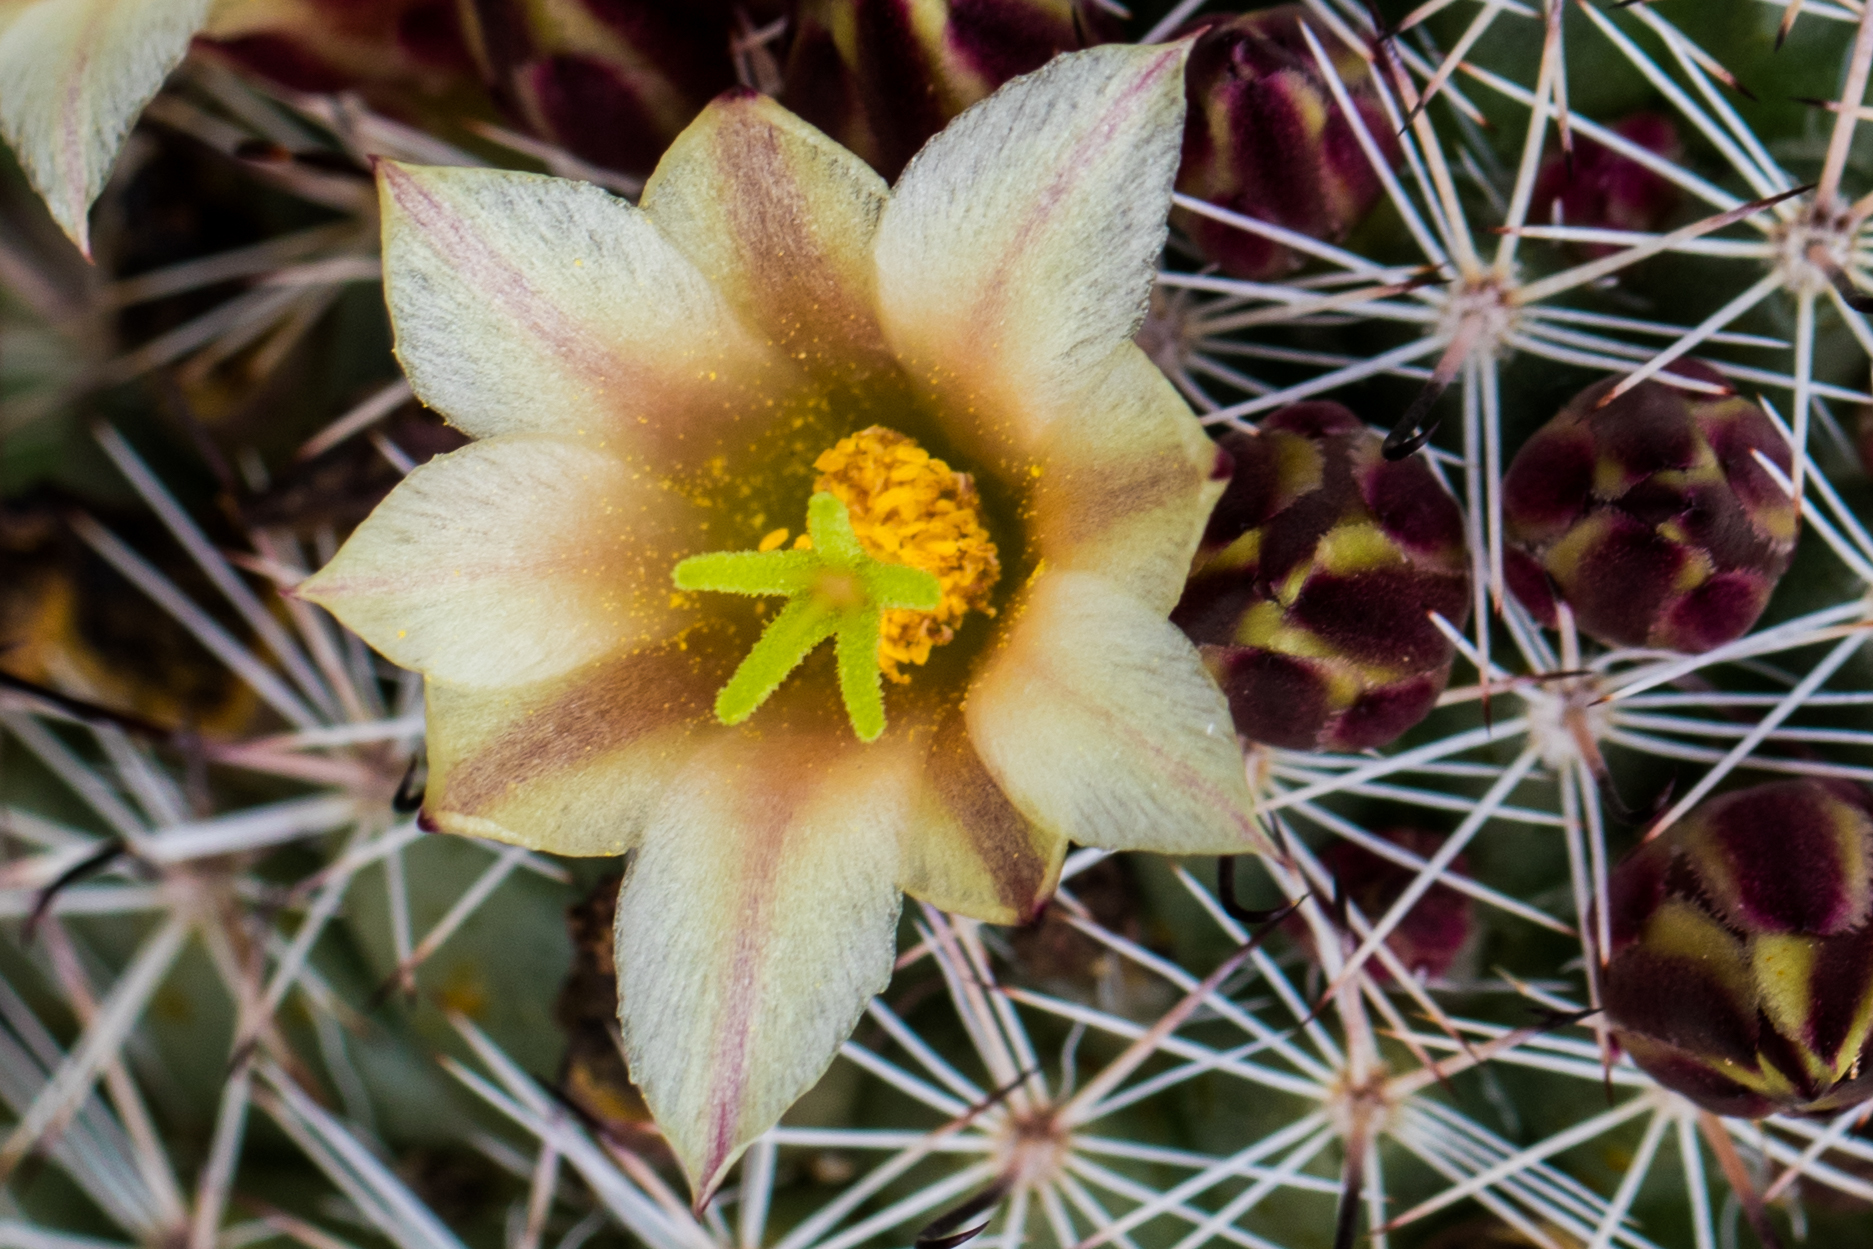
x,y
1265,138
1741,970
882,76
1651,515
621,631
1311,593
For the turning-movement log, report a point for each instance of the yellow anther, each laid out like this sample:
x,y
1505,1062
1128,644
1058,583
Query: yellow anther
x,y
774,540
909,508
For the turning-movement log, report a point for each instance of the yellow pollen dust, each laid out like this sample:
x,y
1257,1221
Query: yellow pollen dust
x,y
909,508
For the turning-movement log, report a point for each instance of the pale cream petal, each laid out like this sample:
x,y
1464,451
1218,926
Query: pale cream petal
x,y
1127,481
757,919
1098,721
780,219
529,304
512,560
74,75
969,849
1019,247
576,764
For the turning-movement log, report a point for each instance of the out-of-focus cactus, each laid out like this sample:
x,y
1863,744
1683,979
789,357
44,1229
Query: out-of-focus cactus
x,y
1742,959
592,1076
71,623
1056,954
882,76
331,45
1312,591
1601,189
1651,515
1493,1233
1434,932
1264,137
612,81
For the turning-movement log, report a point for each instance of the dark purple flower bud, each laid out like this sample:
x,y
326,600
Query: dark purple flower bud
x,y
1436,928
336,45
1265,138
882,76
611,81
1650,515
1312,591
1742,960
1602,189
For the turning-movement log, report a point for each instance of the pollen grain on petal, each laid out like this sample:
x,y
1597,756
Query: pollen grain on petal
x,y
908,507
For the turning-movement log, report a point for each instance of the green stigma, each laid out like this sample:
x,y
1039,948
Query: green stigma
x,y
834,590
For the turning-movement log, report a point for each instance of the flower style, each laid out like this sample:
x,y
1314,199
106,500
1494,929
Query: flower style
x,y
656,394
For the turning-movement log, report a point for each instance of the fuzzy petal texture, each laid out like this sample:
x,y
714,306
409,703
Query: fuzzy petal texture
x,y
758,918
1128,481
780,219
575,764
1099,722
970,849
511,560
528,304
74,75
1019,247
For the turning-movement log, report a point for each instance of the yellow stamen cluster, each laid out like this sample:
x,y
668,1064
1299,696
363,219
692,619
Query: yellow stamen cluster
x,y
908,508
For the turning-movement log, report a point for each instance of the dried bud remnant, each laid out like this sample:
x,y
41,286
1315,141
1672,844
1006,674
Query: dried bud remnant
x,y
1651,515
1264,137
1312,591
1742,959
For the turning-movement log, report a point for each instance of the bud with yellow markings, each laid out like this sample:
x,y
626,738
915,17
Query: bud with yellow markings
x,y
611,81
1742,959
882,76
340,45
1314,585
1650,515
1265,137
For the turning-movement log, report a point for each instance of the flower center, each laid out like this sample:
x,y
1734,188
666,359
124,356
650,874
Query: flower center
x,y
892,560
909,508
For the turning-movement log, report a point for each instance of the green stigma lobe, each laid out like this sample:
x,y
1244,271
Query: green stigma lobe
x,y
835,590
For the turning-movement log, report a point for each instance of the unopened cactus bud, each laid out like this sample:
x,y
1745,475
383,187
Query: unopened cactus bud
x,y
334,45
1264,137
1312,592
611,81
1742,961
882,76
1437,928
1650,515
1599,188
